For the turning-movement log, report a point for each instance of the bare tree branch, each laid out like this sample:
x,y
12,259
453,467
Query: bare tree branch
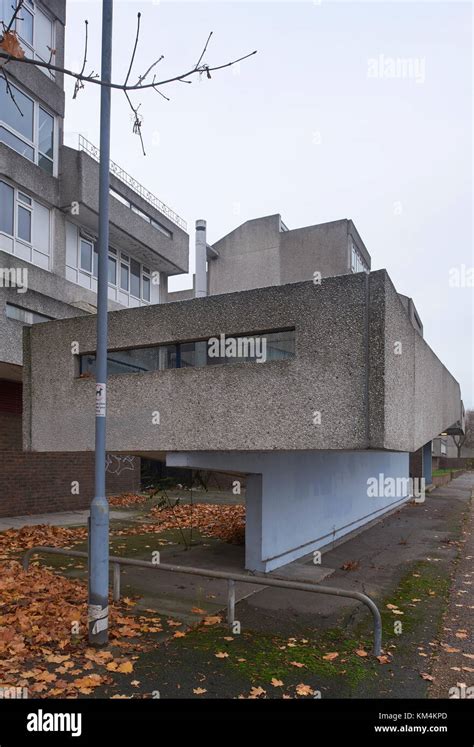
x,y
7,29
120,86
204,50
139,15
10,42
79,84
137,122
9,89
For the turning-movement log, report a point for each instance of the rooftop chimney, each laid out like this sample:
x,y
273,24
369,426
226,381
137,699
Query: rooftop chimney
x,y
200,289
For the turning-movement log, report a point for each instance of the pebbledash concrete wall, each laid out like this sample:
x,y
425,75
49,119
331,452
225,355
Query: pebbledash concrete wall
x,y
346,367
298,502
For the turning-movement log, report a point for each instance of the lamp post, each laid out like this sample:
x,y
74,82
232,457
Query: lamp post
x,y
98,612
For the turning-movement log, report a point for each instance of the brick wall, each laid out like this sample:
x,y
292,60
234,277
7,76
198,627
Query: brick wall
x,y
456,463
34,482
416,463
10,431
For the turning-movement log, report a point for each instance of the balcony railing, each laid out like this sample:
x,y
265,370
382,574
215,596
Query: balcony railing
x,y
138,188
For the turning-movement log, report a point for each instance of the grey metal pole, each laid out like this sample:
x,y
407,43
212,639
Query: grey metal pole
x,y
230,601
98,616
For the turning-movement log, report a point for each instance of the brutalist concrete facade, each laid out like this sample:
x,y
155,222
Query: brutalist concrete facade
x,y
360,364
263,252
358,361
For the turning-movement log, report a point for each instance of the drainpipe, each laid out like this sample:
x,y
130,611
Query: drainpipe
x,y
200,290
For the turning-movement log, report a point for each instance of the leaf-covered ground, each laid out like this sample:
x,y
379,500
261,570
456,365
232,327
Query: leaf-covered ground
x,y
43,628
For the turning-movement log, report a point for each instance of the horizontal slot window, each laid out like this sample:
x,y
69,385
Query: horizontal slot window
x,y
26,316
220,350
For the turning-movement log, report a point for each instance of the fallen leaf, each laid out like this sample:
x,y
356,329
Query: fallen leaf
x,y
221,655
255,692
361,652
199,691
331,656
126,667
304,690
212,620
276,683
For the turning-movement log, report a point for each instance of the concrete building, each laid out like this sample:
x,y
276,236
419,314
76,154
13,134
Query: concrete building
x,y
264,252
444,446
321,419
48,233
295,366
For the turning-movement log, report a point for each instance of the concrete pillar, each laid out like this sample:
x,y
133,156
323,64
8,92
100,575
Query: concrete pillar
x,y
416,463
253,523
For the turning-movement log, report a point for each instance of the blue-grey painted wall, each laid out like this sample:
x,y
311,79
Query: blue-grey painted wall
x,y
304,500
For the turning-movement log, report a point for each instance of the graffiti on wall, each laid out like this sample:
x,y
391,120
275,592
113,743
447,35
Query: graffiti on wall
x,y
116,464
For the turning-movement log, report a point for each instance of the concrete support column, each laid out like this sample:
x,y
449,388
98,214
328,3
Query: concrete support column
x,y
427,464
416,463
253,523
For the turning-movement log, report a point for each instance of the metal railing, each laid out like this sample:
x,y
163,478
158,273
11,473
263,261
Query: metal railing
x,y
231,578
140,190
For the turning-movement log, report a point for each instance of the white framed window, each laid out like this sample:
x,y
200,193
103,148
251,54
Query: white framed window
x,y
130,282
25,226
358,264
27,127
35,28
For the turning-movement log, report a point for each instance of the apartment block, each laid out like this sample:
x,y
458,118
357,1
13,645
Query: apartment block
x,y
49,228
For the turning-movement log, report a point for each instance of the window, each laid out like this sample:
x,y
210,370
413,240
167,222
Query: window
x,y
146,287
7,196
358,264
135,278
19,314
276,345
35,29
24,226
26,127
124,277
112,270
87,249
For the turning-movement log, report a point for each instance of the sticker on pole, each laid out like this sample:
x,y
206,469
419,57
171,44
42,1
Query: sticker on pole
x,y
100,396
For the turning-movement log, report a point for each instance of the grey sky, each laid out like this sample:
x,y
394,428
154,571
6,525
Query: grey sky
x,y
303,129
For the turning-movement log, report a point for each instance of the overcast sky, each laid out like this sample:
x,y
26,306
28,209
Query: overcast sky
x,y
315,127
